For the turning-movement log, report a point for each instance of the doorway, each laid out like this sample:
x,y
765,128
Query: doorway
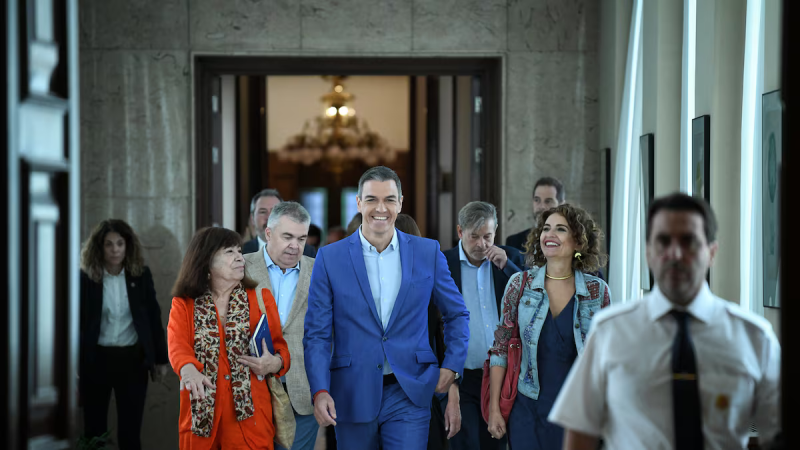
x,y
453,143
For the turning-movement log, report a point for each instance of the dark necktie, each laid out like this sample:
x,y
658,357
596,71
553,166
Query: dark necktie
x,y
685,393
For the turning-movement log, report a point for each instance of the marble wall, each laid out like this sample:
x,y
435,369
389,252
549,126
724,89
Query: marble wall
x,y
136,102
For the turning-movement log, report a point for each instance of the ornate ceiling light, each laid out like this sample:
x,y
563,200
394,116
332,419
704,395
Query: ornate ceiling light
x,y
337,137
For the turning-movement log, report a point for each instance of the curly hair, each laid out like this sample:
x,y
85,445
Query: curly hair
x,y
585,231
93,255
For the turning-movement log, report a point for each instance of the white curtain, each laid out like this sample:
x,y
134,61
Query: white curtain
x,y
625,268
751,264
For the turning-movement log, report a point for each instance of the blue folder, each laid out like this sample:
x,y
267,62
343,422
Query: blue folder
x,y
261,332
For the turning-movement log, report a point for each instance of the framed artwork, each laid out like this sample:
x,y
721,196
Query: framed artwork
x,y
647,169
701,157
771,149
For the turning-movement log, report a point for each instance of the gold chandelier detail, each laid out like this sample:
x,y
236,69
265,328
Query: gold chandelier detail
x,y
337,137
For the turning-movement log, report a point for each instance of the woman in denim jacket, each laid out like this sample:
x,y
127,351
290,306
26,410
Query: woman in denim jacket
x,y
555,311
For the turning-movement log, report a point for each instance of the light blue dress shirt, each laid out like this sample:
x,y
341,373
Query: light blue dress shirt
x,y
477,288
385,274
284,285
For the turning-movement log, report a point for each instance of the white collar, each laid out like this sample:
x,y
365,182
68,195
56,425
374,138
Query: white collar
x,y
393,244
702,306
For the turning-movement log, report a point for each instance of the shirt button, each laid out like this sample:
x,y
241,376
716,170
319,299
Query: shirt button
x,y
227,377
380,366
577,326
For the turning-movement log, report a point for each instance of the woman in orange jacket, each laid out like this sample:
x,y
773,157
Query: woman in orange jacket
x,y
225,400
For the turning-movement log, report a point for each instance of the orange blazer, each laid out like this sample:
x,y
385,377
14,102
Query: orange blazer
x,y
258,430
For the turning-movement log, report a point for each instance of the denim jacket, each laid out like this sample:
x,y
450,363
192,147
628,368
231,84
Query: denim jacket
x,y
591,293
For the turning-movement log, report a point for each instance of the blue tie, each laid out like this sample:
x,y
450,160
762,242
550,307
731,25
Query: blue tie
x,y
685,393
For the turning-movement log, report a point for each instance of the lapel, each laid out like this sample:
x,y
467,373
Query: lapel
x,y
301,293
132,287
406,259
454,262
96,296
357,257
257,270
500,279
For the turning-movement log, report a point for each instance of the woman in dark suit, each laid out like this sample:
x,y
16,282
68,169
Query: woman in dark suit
x,y
121,335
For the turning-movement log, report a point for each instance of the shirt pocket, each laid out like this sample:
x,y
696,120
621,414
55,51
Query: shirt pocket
x,y
727,402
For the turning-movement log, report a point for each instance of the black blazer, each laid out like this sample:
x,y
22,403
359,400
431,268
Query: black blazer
x,y
251,246
145,312
501,277
518,240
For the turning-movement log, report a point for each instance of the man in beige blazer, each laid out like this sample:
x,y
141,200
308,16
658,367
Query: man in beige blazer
x,y
282,268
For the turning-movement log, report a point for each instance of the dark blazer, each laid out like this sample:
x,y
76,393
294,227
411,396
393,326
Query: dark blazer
x,y
518,240
145,312
500,277
251,246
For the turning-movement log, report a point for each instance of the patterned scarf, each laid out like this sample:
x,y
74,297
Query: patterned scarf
x,y
206,349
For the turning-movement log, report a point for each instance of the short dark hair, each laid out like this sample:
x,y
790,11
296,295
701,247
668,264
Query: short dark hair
x,y
314,230
550,181
380,173
264,193
407,225
193,275
682,202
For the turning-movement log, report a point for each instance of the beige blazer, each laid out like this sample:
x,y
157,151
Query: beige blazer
x,y
293,329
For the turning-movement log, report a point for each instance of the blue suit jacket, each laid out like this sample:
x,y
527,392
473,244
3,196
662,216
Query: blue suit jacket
x,y
342,312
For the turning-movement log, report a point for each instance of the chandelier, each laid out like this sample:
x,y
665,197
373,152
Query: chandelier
x,y
337,138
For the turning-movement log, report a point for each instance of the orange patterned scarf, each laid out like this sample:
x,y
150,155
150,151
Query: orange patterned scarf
x,y
206,349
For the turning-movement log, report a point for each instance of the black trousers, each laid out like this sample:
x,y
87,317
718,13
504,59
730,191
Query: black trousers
x,y
474,434
121,370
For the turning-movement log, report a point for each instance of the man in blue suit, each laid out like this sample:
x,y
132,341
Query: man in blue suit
x,y
368,302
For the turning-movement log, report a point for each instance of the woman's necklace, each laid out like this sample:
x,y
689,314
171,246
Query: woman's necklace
x,y
559,278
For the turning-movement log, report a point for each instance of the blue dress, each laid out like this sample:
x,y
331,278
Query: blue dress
x,y
528,428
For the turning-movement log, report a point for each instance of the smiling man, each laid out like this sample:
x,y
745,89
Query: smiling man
x,y
282,268
368,302
682,368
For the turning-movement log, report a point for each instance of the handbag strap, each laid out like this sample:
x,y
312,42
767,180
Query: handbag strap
x,y
515,330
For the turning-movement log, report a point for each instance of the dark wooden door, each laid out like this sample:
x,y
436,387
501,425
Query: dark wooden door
x,y
40,191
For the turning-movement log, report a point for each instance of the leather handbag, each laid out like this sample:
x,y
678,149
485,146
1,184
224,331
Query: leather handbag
x,y
508,392
282,414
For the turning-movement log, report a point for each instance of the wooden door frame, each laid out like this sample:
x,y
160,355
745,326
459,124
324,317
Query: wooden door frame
x,y
206,67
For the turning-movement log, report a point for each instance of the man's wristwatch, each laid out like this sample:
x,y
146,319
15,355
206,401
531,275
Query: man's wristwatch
x,y
458,375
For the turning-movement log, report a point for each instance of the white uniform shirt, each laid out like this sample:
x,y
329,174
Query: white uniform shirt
x,y
621,387
116,322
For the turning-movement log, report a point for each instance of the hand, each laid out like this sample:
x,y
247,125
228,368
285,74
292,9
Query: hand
x,y
324,410
446,378
497,256
159,372
452,413
194,382
497,426
266,364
